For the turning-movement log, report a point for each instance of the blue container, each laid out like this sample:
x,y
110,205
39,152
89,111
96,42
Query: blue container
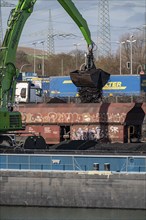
x,y
120,85
123,85
62,87
46,86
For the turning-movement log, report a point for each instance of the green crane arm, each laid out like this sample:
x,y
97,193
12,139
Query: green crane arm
x,y
8,50
79,20
9,119
16,22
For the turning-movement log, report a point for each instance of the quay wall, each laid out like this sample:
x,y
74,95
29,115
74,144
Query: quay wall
x,y
94,189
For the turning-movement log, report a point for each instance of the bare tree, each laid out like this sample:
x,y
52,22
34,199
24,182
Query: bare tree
x,y
138,53
62,64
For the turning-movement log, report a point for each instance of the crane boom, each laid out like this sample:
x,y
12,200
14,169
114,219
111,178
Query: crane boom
x,y
8,72
79,20
16,22
11,120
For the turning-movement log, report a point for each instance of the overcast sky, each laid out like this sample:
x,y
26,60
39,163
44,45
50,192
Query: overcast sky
x,y
126,16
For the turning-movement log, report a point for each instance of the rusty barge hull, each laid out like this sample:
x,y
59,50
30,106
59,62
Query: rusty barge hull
x,y
111,122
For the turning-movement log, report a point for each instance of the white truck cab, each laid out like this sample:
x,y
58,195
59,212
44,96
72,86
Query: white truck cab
x,y
27,92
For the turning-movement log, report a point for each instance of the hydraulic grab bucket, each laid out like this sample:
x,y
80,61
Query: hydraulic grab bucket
x,y
93,78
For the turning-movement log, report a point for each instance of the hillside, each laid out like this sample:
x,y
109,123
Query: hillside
x,y
30,51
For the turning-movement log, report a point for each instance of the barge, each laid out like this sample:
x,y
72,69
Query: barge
x,y
87,155
73,181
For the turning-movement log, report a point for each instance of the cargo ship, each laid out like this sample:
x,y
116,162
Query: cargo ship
x,y
49,124
88,155
93,181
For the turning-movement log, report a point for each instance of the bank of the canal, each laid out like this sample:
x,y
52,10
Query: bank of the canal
x,y
92,189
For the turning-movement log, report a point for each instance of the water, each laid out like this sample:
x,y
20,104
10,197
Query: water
x,y
33,213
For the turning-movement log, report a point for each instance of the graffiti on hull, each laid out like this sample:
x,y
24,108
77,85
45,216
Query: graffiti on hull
x,y
60,117
95,132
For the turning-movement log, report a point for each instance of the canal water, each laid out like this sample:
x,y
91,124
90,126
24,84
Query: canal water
x,y
34,213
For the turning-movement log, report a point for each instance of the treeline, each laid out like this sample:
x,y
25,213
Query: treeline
x,y
62,64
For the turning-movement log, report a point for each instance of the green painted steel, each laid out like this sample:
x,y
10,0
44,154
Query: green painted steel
x,y
8,71
71,9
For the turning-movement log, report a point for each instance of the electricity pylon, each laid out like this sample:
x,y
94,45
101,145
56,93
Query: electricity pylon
x,y
50,40
103,36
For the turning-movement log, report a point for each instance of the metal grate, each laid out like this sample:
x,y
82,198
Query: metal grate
x,y
15,121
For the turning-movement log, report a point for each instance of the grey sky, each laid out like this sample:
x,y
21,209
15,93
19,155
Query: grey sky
x,y
125,17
